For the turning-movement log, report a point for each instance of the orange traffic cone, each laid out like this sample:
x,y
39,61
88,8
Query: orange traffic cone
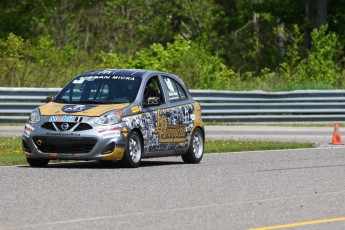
x,y
336,136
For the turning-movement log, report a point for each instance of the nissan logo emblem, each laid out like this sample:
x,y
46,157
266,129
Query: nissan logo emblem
x,y
64,126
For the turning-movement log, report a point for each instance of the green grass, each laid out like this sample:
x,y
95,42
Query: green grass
x,y
11,152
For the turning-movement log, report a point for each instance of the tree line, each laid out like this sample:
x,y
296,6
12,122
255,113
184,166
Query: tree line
x,y
220,44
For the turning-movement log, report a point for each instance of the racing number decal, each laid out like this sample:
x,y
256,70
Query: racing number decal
x,y
169,133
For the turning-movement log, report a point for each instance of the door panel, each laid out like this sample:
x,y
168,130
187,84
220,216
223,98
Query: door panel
x,y
174,126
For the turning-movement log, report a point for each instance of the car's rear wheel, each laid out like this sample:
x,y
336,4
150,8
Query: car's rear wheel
x,y
133,151
196,147
37,162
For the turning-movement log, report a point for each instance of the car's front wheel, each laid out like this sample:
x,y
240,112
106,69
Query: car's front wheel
x,y
133,151
37,162
196,148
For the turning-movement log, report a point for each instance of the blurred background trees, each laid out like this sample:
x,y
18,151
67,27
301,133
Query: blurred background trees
x,y
220,44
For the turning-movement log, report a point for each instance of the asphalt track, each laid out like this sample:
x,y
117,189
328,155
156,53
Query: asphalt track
x,y
298,189
225,191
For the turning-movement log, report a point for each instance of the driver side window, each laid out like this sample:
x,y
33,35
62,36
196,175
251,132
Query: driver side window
x,y
153,90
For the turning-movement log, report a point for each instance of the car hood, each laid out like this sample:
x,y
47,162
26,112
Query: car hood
x,y
92,110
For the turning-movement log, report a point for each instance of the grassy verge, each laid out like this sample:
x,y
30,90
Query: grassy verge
x,y
11,152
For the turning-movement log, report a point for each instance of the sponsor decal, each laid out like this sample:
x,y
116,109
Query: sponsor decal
x,y
172,133
110,131
111,134
26,134
68,155
63,134
76,108
81,80
136,109
192,116
161,126
123,78
105,71
153,101
62,118
109,128
65,155
27,130
169,84
92,78
173,96
125,131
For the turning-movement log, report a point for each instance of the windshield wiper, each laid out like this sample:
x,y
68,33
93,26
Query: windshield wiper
x,y
61,101
91,102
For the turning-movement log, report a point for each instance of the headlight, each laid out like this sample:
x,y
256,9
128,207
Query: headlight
x,y
35,116
109,118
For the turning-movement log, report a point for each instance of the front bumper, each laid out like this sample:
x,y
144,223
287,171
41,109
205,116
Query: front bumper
x,y
81,140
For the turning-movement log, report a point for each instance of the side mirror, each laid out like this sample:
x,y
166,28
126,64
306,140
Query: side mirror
x,y
152,101
49,99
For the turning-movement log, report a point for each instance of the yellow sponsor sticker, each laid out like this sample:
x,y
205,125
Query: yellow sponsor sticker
x,y
125,131
135,109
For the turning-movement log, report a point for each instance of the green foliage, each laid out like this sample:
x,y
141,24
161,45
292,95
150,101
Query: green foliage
x,y
320,66
293,57
319,70
234,45
193,61
13,59
23,64
25,18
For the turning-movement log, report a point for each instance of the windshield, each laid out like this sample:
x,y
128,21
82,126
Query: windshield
x,y
100,90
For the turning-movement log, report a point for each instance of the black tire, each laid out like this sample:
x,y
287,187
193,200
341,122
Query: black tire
x,y
196,148
37,162
133,151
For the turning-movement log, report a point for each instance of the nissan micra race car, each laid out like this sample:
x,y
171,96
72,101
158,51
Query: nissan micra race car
x,y
116,115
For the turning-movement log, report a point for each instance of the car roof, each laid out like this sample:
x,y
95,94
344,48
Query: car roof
x,y
121,72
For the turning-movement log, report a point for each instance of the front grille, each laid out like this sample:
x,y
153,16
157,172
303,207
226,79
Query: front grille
x,y
69,125
80,126
48,125
83,126
65,144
